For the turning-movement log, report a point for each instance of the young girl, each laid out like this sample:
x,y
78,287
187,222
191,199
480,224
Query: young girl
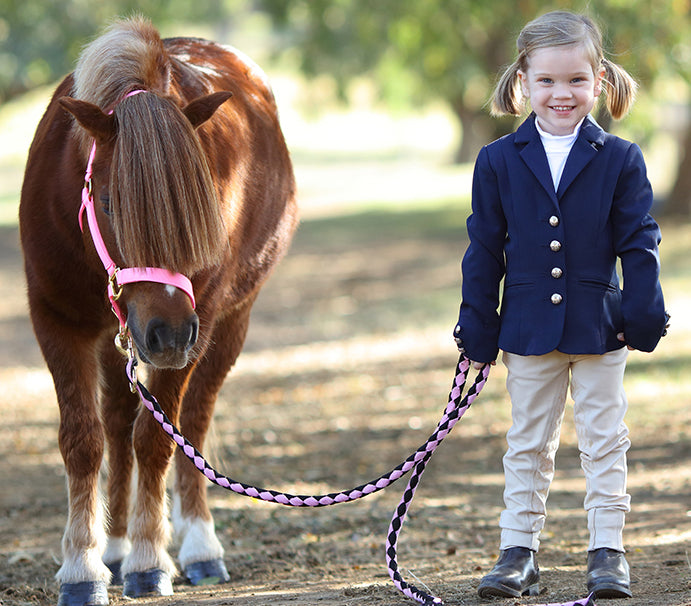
x,y
553,206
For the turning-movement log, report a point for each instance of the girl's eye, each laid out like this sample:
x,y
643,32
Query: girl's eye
x,y
105,203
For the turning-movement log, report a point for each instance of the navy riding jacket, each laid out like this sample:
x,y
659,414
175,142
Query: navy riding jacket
x,y
557,251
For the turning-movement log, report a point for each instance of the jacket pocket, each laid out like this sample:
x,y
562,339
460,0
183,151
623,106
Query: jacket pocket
x,y
519,284
599,284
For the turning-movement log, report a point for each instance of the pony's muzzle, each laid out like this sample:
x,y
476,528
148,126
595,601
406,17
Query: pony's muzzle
x,y
161,336
164,341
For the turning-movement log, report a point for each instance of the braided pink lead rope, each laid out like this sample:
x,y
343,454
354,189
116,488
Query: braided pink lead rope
x,y
425,451
455,408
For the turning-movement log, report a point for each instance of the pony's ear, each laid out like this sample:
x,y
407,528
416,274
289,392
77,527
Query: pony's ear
x,y
202,108
98,124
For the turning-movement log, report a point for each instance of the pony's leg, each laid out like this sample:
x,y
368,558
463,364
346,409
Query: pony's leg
x,y
148,569
201,553
73,363
119,407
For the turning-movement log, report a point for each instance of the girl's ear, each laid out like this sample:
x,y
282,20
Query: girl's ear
x,y
599,77
522,78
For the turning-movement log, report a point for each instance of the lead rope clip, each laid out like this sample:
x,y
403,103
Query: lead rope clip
x,y
123,343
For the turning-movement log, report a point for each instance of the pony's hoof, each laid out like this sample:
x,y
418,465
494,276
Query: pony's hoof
x,y
116,570
87,593
149,582
211,572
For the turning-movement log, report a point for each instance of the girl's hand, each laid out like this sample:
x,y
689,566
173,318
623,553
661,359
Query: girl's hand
x,y
479,365
622,338
475,365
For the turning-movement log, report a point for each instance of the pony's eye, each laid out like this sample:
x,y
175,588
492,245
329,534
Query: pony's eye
x,y
105,203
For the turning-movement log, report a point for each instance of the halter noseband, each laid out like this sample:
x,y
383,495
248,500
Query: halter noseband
x,y
118,277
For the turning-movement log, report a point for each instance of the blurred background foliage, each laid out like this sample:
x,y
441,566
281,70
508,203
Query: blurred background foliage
x,y
410,52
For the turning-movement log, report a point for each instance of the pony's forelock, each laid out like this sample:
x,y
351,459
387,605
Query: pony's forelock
x,y
164,207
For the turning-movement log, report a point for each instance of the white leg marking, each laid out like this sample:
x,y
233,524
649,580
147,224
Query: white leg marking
x,y
198,538
82,547
116,549
147,554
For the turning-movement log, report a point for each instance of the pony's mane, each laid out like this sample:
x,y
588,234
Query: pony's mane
x,y
165,212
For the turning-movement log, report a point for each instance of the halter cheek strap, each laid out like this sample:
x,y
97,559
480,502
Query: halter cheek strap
x,y
118,277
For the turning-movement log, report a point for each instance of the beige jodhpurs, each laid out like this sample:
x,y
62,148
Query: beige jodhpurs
x,y
538,388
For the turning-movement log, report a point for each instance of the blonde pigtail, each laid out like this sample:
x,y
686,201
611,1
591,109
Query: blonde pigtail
x,y
508,97
620,89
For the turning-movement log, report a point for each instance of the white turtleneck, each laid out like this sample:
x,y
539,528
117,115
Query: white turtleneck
x,y
557,148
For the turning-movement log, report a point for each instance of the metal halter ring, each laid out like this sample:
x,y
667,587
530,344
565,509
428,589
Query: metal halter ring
x,y
115,288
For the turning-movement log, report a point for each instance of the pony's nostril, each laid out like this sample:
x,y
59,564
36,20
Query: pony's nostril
x,y
159,336
162,337
193,333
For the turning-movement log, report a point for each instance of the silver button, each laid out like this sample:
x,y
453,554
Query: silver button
x,y
554,221
557,272
556,298
555,246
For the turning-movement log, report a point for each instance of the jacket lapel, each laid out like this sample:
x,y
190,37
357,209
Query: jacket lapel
x,y
533,154
590,139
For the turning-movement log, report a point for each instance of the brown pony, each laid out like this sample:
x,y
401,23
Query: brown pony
x,y
185,178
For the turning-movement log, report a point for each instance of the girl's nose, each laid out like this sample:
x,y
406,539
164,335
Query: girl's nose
x,y
561,91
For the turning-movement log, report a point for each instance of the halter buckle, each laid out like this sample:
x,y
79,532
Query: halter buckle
x,y
115,288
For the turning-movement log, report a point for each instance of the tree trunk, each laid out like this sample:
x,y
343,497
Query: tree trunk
x,y
603,117
477,129
678,203
471,140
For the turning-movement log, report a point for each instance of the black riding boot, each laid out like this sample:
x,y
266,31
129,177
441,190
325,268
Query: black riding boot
x,y
608,574
515,574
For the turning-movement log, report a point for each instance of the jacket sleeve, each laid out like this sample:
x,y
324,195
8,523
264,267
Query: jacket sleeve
x,y
483,267
636,238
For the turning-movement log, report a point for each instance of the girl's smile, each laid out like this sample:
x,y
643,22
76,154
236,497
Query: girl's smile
x,y
562,87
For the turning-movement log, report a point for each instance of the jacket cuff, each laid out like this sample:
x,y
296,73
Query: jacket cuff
x,y
477,349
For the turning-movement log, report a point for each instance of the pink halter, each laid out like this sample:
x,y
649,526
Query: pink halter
x,y
116,276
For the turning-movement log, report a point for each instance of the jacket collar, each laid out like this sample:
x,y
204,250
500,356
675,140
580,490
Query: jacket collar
x,y
590,139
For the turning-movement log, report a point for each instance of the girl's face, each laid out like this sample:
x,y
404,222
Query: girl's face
x,y
562,86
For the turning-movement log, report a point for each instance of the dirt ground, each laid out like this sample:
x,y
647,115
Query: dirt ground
x,y
346,371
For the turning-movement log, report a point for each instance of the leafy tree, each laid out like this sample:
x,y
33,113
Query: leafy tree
x,y
454,49
417,49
